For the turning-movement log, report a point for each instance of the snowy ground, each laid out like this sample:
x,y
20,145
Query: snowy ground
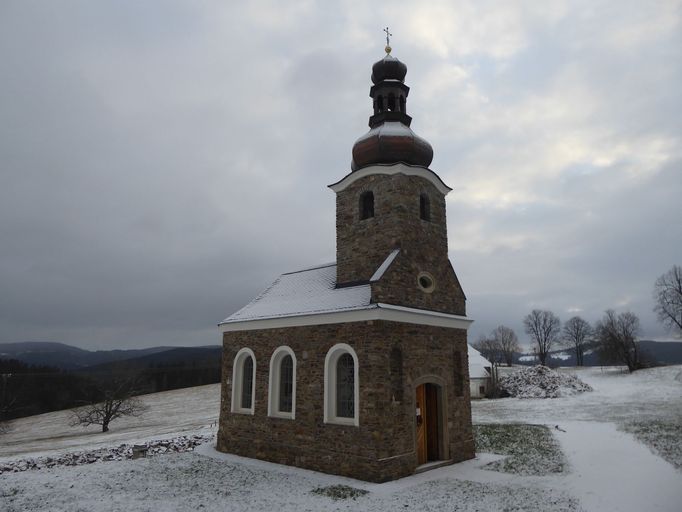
x,y
171,413
607,469
647,403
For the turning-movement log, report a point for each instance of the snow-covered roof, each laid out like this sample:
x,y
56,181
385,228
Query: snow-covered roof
x,y
311,297
477,364
305,292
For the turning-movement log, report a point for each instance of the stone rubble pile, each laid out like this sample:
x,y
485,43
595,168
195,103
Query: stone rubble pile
x,y
542,382
121,452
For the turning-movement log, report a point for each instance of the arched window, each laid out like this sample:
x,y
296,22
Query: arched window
x,y
366,205
380,103
244,382
391,102
424,207
282,388
341,387
345,387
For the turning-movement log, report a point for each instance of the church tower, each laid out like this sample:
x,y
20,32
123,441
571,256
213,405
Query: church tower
x,y
359,367
393,205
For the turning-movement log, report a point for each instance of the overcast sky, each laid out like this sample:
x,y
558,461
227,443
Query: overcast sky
x,y
162,162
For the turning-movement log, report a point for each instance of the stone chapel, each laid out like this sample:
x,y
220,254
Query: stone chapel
x,y
359,367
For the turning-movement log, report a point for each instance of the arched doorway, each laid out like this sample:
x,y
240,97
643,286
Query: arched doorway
x,y
428,423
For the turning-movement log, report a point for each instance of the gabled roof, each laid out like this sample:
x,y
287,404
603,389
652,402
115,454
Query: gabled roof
x,y
305,292
311,297
477,364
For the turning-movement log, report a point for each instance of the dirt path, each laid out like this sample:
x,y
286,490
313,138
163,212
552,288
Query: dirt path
x,y
611,471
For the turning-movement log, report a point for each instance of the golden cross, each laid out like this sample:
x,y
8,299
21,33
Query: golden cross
x,y
388,34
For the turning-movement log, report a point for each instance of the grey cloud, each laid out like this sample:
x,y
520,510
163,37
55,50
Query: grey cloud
x,y
159,167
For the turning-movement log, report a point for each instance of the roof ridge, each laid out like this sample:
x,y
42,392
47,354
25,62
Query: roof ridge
x,y
317,267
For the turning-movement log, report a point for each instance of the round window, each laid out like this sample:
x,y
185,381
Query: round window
x,y
426,282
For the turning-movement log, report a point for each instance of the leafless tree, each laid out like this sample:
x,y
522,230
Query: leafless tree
x,y
616,336
489,348
668,296
116,398
507,342
7,403
543,327
576,333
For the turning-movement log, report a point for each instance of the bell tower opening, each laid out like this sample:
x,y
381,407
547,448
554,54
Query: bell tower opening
x,y
366,205
424,207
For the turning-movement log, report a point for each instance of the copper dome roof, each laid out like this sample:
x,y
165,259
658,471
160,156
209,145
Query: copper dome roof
x,y
391,142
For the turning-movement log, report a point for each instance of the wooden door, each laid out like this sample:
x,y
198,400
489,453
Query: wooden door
x,y
422,454
431,416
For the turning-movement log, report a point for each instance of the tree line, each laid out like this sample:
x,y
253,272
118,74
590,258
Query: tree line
x,y
615,336
26,390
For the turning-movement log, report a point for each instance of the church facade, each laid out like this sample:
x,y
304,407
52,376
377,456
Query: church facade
x,y
359,367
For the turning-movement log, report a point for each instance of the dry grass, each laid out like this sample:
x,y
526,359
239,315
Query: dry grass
x,y
531,449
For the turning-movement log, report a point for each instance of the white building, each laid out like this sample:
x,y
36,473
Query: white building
x,y
480,373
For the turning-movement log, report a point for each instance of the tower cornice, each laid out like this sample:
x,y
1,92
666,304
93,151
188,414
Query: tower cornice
x,y
390,169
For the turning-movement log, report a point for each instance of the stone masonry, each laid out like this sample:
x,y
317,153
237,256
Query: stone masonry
x,y
394,359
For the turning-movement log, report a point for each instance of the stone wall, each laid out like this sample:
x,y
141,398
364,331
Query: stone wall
x,y
363,244
399,285
394,358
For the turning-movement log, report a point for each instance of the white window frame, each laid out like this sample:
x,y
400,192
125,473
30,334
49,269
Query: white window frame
x,y
273,387
237,378
330,361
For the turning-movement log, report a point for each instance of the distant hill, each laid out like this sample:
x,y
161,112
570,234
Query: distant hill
x,y
51,376
664,352
661,352
68,357
177,357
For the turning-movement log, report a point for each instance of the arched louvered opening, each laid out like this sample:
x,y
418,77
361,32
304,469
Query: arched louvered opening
x,y
366,205
424,207
391,102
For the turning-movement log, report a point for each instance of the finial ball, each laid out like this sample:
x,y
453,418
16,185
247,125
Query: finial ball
x,y
388,49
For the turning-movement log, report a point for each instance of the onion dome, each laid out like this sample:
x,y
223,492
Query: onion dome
x,y
391,142
388,68
390,138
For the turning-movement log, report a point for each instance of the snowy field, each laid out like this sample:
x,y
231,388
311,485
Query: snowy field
x,y
170,414
606,468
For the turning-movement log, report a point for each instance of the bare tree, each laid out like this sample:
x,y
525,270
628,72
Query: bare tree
x,y
115,399
7,403
507,343
489,348
616,336
668,296
543,327
576,333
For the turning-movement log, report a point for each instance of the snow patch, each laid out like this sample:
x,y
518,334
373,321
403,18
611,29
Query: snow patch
x,y
121,452
542,382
